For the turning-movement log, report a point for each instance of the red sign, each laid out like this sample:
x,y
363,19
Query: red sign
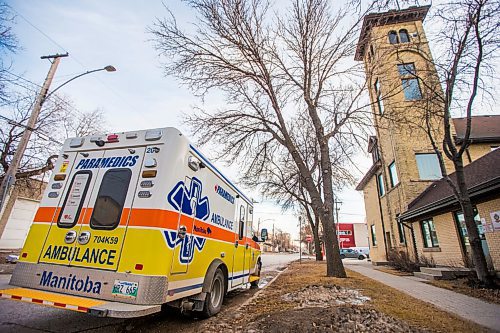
x,y
309,238
345,234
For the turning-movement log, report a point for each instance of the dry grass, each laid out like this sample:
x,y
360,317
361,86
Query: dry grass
x,y
384,299
390,270
461,286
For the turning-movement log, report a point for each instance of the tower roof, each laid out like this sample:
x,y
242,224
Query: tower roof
x,y
390,17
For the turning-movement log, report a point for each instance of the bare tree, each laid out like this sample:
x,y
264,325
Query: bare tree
x,y
8,44
280,179
272,70
470,31
57,121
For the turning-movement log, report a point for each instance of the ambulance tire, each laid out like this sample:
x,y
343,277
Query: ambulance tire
x,y
213,301
255,283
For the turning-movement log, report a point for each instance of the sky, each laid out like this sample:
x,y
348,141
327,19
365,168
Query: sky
x,y
97,33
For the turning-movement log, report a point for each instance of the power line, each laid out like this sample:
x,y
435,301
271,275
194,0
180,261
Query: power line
x,y
69,105
39,30
112,90
39,131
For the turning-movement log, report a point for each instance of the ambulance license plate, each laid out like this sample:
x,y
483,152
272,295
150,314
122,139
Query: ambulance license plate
x,y
125,289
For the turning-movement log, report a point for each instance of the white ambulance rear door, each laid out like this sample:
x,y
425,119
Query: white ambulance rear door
x,y
102,230
71,204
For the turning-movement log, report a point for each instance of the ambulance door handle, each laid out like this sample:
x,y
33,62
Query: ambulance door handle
x,y
181,233
236,244
246,246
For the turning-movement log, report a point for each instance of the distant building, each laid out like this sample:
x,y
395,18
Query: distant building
x,y
17,214
393,45
352,235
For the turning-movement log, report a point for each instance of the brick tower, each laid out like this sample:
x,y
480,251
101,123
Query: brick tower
x,y
401,78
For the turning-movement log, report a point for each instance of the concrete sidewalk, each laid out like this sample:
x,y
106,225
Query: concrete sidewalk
x,y
470,308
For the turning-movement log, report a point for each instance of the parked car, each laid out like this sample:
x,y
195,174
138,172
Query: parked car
x,y
350,253
363,250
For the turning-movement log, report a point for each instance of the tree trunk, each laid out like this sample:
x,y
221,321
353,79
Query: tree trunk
x,y
317,244
478,257
334,266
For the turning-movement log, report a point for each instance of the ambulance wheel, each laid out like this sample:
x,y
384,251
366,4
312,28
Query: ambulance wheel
x,y
255,283
215,296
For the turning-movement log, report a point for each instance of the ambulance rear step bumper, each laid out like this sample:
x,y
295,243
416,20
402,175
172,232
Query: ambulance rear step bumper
x,y
91,306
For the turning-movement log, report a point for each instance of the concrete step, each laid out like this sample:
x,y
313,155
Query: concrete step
x,y
426,276
447,273
431,271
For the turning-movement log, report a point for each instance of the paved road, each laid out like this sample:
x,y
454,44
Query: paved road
x,y
17,317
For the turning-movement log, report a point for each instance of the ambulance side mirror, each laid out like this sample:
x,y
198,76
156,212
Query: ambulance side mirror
x,y
193,163
263,235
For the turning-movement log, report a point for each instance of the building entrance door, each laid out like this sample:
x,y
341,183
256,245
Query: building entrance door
x,y
464,237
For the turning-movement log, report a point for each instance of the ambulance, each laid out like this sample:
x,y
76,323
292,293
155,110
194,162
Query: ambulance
x,y
133,221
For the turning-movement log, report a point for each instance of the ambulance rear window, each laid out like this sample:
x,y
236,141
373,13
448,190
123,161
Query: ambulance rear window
x,y
110,199
73,202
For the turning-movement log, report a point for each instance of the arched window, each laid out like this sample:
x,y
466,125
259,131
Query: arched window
x,y
403,36
393,37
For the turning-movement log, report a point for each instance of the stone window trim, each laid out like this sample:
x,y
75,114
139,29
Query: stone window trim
x,y
432,249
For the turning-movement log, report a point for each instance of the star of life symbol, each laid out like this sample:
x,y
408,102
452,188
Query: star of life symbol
x,y
189,202
188,245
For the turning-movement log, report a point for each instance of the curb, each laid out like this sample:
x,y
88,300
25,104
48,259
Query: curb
x,y
263,288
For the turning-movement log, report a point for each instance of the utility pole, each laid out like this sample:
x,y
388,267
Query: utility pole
x,y
337,209
10,176
273,237
300,239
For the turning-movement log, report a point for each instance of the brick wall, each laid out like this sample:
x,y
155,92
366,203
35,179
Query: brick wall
x,y
377,253
449,252
492,238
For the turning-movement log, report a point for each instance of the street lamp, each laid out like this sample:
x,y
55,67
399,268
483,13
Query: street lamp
x,y
10,176
108,68
258,225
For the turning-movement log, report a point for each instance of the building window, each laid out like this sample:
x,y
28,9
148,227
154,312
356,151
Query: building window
x,y
428,166
403,36
393,37
411,89
407,69
374,237
429,233
409,80
378,94
394,174
401,232
380,182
